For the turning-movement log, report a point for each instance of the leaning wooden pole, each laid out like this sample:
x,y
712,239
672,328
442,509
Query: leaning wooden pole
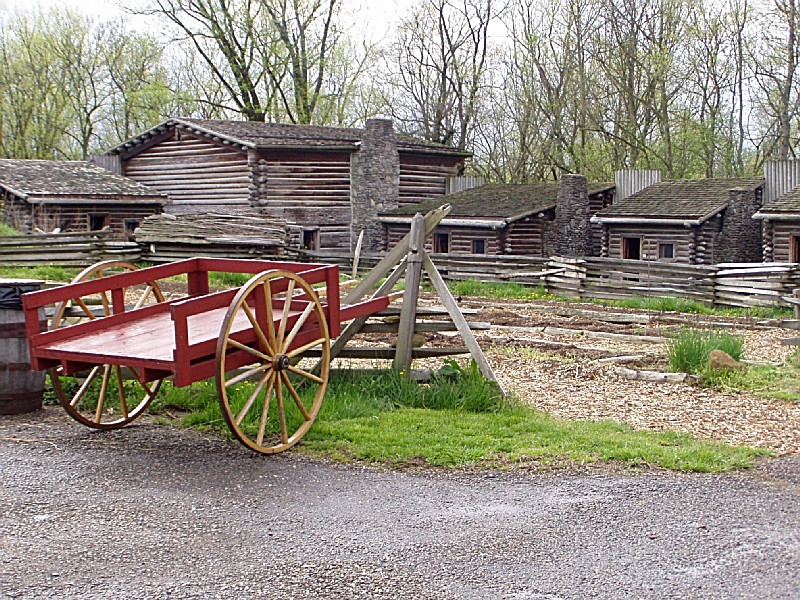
x,y
458,319
408,313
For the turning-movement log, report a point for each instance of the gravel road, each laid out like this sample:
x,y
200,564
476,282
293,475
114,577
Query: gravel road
x,y
156,512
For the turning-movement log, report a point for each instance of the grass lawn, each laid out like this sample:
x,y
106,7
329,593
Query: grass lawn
x,y
460,421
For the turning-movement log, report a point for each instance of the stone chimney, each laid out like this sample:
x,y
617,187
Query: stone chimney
x,y
573,228
374,182
739,240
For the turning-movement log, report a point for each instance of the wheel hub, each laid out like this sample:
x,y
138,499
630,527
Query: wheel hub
x,y
280,362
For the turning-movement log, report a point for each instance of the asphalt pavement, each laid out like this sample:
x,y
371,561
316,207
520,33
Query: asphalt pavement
x,y
153,511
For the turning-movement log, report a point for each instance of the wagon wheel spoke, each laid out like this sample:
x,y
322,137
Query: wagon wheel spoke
x,y
287,304
281,412
270,316
247,374
249,404
249,350
101,398
306,374
108,398
123,404
259,413
305,348
270,347
297,326
295,397
85,386
262,424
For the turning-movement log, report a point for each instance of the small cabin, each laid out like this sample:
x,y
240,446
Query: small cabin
x,y
41,196
780,226
499,218
327,183
699,221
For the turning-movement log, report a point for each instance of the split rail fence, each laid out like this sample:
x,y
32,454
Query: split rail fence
x,y
743,285
740,284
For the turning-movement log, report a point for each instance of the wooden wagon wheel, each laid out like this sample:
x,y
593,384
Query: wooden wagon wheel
x,y
272,413
108,396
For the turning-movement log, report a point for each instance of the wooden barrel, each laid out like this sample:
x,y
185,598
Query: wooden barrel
x,y
21,389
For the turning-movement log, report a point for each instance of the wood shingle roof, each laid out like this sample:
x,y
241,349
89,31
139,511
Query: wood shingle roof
x,y
54,181
691,199
506,202
786,205
262,135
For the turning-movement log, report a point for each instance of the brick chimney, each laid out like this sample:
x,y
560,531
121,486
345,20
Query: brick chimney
x,y
374,182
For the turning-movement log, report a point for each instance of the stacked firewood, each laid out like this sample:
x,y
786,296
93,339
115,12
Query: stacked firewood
x,y
166,237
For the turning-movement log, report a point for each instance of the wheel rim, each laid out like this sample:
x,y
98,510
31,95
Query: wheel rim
x,y
107,396
274,412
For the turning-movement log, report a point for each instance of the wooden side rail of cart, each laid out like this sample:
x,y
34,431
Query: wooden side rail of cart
x,y
127,337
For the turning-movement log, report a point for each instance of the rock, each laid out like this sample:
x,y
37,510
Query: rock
x,y
722,360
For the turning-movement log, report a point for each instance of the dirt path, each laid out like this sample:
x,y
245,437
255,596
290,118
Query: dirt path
x,y
156,512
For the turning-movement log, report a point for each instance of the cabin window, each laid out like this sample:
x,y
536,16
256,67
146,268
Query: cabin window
x,y
441,243
97,222
666,251
479,246
794,248
130,226
310,239
632,248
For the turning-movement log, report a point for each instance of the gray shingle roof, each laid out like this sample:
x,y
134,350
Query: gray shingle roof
x,y
258,134
497,201
788,203
30,179
679,199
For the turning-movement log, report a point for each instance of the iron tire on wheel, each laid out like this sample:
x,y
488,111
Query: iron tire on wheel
x,y
272,417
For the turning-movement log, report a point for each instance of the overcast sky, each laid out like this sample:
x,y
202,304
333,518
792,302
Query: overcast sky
x,y
374,17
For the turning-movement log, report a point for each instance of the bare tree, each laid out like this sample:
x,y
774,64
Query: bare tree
x,y
439,60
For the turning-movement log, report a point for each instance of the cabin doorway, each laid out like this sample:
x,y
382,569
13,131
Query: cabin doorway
x,y
441,243
310,239
794,248
632,248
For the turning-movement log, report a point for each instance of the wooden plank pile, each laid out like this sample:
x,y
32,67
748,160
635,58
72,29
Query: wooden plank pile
x,y
65,249
166,238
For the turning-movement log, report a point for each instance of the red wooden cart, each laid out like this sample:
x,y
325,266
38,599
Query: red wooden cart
x,y
114,329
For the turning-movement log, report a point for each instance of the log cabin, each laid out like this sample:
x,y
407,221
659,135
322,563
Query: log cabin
x,y
700,221
780,228
327,183
505,219
46,195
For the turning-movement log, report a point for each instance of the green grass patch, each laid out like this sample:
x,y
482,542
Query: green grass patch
x,y
459,420
45,272
689,350
492,289
8,230
766,381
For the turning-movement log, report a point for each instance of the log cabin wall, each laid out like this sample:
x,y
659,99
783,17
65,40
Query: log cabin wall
x,y
310,190
423,177
651,237
598,202
197,175
526,237
17,213
120,220
782,233
461,239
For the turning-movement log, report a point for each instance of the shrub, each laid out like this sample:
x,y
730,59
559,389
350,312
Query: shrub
x,y
689,350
